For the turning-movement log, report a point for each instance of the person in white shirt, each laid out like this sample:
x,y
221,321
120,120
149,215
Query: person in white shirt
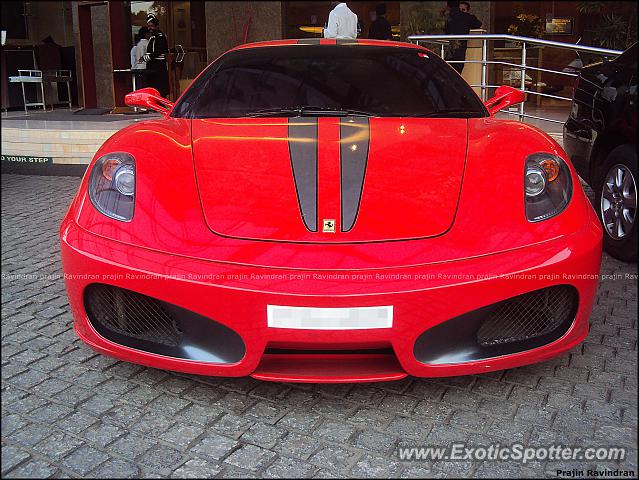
x,y
342,23
139,49
137,53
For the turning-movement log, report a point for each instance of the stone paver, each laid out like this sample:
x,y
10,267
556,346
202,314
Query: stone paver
x,y
69,412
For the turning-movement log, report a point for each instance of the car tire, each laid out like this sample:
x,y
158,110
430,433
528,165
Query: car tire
x,y
616,203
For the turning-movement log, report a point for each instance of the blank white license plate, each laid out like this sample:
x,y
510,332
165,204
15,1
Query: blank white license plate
x,y
311,318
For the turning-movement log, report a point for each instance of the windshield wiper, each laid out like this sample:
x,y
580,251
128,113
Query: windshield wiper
x,y
337,112
274,112
308,110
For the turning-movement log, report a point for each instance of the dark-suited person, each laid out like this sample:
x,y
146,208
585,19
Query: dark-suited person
x,y
459,23
380,28
155,57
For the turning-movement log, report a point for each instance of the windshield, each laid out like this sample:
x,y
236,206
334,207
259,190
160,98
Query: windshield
x,y
333,80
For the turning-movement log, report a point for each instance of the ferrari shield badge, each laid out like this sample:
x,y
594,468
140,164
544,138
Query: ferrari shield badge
x,y
329,226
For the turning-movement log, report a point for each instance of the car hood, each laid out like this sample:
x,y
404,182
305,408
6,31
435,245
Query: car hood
x,y
341,180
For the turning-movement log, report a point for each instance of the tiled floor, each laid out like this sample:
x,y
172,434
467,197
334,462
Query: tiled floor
x,y
61,135
67,120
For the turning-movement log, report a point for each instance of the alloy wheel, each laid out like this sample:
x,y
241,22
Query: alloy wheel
x,y
619,201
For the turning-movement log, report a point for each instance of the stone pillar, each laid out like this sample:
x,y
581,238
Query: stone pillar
x,y
426,15
484,11
78,56
51,18
472,71
421,16
102,55
226,23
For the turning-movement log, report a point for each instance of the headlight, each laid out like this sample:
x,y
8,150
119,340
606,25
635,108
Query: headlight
x,y
535,181
547,186
112,185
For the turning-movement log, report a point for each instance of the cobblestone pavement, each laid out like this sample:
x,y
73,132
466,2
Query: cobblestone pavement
x,y
68,412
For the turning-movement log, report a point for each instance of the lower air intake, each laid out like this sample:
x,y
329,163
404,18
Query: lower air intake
x,y
131,314
528,316
517,324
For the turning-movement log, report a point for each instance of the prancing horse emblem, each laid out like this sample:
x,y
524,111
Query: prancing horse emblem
x,y
329,225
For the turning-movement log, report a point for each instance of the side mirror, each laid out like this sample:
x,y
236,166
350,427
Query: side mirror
x,y
505,96
148,98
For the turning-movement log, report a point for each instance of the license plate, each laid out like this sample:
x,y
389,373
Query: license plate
x,y
312,318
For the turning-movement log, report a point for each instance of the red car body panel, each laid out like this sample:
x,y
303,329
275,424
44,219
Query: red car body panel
x,y
406,170
217,230
493,177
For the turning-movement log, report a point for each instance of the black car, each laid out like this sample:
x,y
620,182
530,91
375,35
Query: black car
x,y
600,136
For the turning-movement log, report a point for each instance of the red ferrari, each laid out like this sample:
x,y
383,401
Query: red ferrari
x,y
330,211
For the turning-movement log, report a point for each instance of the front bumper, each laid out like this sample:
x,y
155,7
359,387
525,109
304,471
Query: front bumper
x,y
422,297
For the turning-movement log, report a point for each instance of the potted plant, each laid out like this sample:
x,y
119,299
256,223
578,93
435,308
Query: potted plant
x,y
424,18
610,25
526,25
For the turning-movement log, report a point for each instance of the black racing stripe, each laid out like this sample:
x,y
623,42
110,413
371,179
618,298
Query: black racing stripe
x,y
309,41
354,140
345,41
302,145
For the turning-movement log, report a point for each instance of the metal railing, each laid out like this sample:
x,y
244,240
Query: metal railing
x,y
523,67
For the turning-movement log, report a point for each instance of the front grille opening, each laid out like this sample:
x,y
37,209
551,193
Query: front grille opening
x,y
131,314
514,325
528,316
297,351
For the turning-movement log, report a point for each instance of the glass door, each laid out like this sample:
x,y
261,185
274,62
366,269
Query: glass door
x,y
184,25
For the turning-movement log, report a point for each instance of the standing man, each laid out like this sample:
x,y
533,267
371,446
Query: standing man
x,y
380,28
459,23
342,22
137,56
155,57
